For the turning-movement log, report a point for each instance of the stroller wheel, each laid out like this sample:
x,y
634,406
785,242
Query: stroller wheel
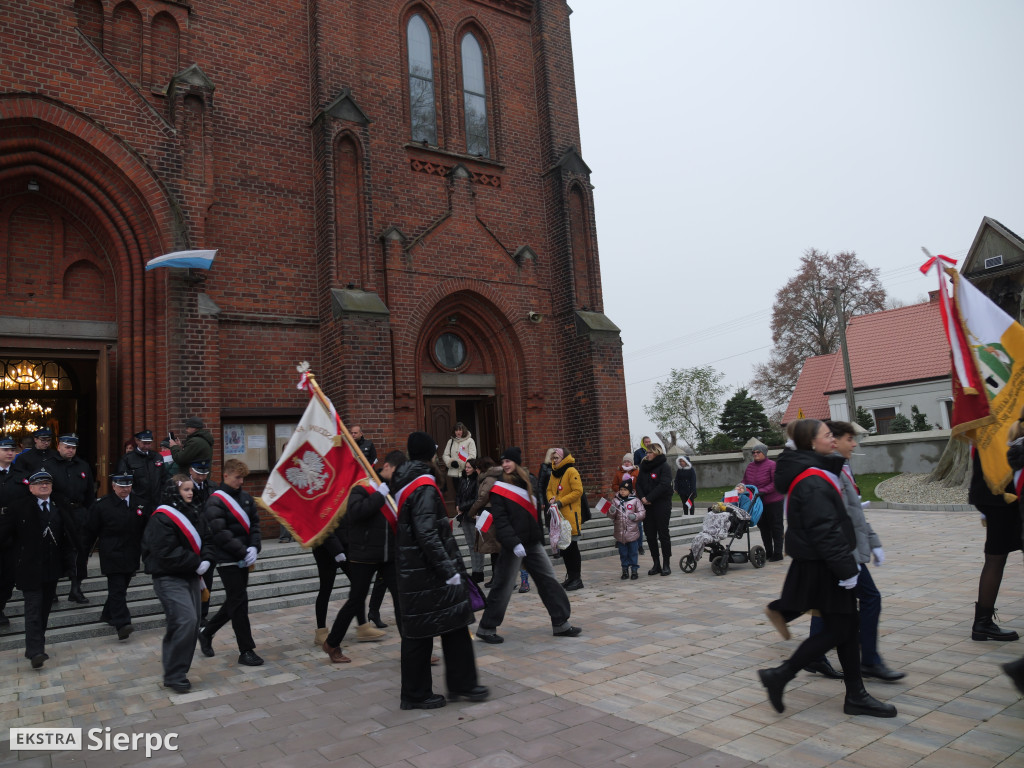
x,y
757,556
687,564
719,565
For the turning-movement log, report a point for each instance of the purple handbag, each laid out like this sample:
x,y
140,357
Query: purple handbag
x,y
477,601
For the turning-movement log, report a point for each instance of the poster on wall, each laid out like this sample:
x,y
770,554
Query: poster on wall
x,y
234,439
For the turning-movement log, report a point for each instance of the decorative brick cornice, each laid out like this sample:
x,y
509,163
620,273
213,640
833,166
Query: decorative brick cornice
x,y
521,8
440,169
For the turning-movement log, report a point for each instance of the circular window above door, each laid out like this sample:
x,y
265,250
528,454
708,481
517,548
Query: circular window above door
x,y
450,351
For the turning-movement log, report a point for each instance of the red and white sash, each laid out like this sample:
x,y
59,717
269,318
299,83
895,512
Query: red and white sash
x,y
184,525
849,473
517,495
406,491
234,508
815,472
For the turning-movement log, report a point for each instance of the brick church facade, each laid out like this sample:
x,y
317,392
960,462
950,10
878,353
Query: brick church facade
x,y
396,191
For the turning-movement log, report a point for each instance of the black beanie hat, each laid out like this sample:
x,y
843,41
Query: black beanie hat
x,y
627,484
513,454
421,446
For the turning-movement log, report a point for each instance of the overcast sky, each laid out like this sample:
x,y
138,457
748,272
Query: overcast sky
x,y
726,138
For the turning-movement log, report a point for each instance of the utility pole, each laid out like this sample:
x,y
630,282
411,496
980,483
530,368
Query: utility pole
x,y
851,407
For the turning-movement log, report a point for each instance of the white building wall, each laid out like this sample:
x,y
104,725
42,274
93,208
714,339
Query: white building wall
x,y
931,398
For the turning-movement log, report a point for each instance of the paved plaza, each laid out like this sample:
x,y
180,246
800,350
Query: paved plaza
x,y
664,675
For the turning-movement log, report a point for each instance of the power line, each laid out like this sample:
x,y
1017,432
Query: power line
x,y
727,357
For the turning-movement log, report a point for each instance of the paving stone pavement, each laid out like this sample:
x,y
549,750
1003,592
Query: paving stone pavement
x,y
664,675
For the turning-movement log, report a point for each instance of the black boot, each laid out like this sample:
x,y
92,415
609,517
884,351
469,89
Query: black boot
x,y
859,702
986,629
775,680
76,595
656,569
625,574
374,617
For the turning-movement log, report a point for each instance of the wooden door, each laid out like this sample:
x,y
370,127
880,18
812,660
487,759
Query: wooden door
x,y
440,412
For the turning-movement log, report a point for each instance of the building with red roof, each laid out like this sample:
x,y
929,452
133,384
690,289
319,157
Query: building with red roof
x,y
899,358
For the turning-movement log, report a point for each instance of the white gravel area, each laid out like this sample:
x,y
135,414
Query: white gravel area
x,y
912,489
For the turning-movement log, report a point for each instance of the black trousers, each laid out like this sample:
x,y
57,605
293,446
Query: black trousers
x,y
327,573
459,664
37,614
771,527
7,576
235,607
842,632
360,576
115,609
656,530
386,580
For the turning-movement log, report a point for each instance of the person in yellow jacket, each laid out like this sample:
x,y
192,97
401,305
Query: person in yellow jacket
x,y
564,491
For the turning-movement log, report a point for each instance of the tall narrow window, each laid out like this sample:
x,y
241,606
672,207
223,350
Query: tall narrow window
x,y
474,97
421,82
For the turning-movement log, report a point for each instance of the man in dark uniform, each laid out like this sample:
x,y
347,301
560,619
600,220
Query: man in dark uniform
x,y
13,486
364,445
32,460
73,482
147,469
40,527
117,521
199,471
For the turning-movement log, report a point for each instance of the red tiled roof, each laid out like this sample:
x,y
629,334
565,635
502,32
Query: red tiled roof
x,y
809,393
894,346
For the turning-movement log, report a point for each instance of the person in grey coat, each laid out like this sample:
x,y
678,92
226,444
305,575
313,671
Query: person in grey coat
x,y
869,546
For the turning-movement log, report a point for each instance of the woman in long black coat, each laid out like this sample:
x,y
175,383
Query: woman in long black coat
x,y
821,541
654,489
432,586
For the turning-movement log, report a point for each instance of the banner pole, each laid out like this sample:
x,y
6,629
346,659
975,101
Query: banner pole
x,y
360,457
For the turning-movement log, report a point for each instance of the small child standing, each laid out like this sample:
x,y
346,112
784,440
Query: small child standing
x,y
627,513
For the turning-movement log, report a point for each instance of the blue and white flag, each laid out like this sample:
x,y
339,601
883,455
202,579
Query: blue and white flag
x,y
186,259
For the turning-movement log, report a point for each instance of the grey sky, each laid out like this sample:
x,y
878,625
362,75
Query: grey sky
x,y
726,138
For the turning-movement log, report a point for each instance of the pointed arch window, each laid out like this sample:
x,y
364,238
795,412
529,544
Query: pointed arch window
x,y
474,97
422,112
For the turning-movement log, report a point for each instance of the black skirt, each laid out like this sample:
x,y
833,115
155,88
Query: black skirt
x,y
810,584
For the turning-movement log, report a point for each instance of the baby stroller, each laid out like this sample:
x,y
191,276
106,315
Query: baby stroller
x,y
727,521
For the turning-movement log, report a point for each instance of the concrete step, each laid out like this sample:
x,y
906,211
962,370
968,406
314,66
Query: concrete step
x,y
285,577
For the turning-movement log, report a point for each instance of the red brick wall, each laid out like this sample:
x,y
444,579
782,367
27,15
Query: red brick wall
x,y
254,168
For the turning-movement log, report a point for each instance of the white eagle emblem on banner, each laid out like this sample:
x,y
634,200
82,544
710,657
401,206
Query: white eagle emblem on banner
x,y
309,474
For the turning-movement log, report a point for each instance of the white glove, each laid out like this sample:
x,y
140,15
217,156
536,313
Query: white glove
x,y
383,489
250,556
865,504
203,567
340,557
519,550
851,582
455,580
878,555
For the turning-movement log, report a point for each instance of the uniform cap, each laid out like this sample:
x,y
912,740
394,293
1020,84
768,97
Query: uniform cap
x,y
144,435
69,439
122,478
202,467
43,432
7,442
42,476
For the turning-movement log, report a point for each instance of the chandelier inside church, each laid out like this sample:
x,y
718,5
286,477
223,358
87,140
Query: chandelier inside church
x,y
33,375
25,416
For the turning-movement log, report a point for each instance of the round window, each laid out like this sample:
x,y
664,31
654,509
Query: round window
x,y
450,350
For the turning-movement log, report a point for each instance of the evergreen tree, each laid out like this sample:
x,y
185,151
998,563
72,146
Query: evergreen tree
x,y
900,423
864,418
743,418
919,420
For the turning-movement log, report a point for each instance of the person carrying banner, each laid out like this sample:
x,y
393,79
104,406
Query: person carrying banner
x,y
177,551
432,591
516,519
821,541
235,529
370,526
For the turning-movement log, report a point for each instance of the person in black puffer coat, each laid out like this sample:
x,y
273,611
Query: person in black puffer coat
x,y
176,552
432,586
821,540
654,489
117,522
235,528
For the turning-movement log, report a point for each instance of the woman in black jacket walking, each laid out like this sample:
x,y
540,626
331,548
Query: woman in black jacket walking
x,y
654,489
176,552
432,588
821,540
